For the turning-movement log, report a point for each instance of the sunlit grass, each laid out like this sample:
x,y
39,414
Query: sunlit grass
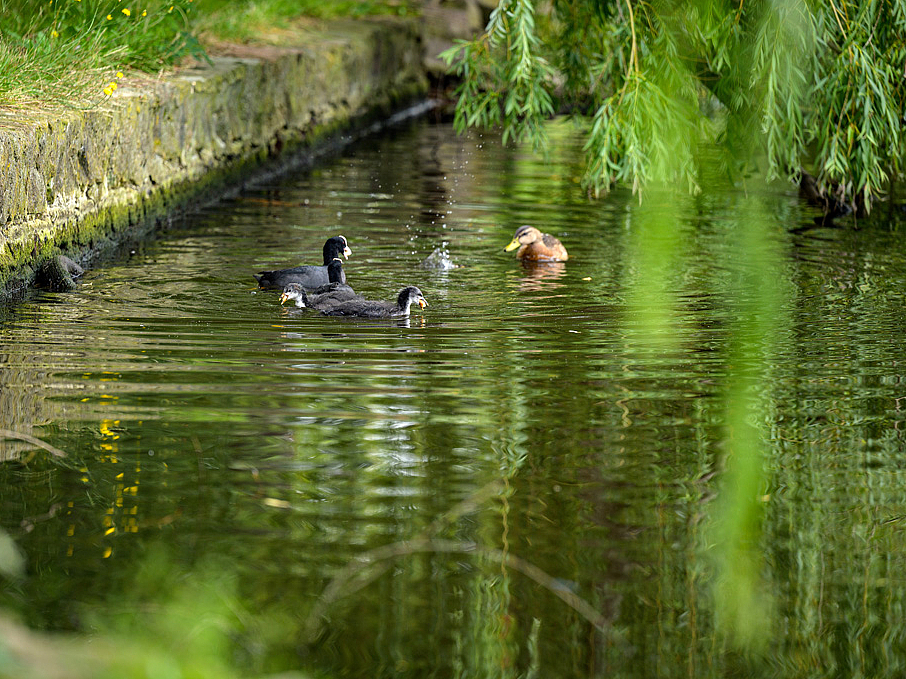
x,y
68,51
243,21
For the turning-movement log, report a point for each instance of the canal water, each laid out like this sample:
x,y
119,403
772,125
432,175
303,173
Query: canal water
x,y
532,477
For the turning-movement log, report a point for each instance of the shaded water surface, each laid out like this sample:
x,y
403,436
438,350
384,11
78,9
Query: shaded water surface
x,y
517,442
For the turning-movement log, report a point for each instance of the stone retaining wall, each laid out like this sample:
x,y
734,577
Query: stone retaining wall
x,y
73,182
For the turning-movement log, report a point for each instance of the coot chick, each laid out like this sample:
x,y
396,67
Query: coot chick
x,y
535,246
364,308
296,293
308,276
361,308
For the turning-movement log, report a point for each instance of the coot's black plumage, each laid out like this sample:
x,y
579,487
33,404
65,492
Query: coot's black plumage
x,y
365,308
332,293
308,276
337,290
359,307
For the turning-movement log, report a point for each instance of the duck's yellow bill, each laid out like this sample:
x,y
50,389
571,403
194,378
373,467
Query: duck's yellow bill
x,y
512,246
284,297
423,303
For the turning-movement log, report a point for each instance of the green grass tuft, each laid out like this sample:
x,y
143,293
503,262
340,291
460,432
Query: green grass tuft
x,y
68,52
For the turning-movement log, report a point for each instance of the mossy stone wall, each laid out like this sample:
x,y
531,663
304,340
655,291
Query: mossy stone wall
x,y
73,182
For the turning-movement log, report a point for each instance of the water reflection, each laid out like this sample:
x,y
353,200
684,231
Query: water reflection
x,y
572,417
541,276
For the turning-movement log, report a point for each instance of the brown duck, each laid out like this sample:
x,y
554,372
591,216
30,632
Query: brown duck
x,y
535,246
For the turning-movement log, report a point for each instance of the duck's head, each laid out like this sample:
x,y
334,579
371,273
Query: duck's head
x,y
411,295
294,292
336,246
524,235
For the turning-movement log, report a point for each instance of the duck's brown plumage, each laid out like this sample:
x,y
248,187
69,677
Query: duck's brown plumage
x,y
535,246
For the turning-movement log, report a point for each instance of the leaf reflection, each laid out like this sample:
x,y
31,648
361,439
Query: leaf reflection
x,y
748,281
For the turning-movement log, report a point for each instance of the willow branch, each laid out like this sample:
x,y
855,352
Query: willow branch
x,y
634,55
10,434
353,577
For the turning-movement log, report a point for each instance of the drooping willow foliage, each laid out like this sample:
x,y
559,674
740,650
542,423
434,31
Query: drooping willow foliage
x,y
814,86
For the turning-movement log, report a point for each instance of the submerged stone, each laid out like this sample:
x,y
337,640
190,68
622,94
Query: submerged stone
x,y
58,274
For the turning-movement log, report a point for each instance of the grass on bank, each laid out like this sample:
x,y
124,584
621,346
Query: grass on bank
x,y
69,51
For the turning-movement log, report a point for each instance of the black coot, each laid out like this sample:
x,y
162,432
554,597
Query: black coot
x,y
308,276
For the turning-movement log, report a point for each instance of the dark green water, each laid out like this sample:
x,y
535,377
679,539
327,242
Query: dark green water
x,y
228,458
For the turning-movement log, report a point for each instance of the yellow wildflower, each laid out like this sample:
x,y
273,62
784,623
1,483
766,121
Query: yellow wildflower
x,y
112,86
54,34
144,13
109,17
119,74
126,11
108,91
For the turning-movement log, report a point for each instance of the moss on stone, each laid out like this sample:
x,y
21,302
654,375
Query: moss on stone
x,y
86,180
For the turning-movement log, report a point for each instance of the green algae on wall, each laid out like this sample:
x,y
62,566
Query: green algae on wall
x,y
74,181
